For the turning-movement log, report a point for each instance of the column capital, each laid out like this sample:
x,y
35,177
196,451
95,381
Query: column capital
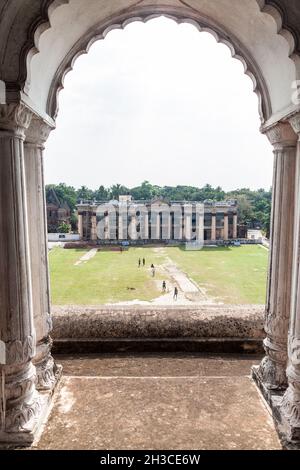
x,y
281,135
295,123
15,117
38,132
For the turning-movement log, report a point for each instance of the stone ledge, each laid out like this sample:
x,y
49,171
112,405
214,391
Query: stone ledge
x,y
156,322
161,345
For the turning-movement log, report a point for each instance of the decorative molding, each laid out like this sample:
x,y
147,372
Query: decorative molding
x,y
49,322
45,365
20,351
269,7
272,369
38,132
23,417
15,117
47,373
42,23
295,123
272,374
21,402
294,351
275,350
30,47
290,406
281,135
184,14
24,383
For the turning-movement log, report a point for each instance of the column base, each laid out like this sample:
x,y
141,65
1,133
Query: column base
x,y
272,369
32,431
47,371
26,437
272,374
289,434
48,374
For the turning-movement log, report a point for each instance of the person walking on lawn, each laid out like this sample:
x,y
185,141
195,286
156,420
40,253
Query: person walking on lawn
x,y
175,293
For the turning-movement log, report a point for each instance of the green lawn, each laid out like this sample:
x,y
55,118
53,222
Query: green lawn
x,y
105,278
230,275
234,275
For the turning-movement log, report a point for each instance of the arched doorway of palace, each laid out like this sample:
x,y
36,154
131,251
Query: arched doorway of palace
x,y
33,68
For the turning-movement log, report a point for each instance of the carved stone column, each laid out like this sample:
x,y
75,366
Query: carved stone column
x,y
80,226
235,226
213,227
272,370
290,406
225,226
21,405
36,136
94,227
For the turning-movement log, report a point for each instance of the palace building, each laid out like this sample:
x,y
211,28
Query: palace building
x,y
157,220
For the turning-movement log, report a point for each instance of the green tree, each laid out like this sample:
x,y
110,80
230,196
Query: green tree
x,y
84,194
101,194
67,194
64,228
118,190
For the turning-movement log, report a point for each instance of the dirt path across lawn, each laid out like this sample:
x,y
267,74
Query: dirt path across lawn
x,y
189,293
85,258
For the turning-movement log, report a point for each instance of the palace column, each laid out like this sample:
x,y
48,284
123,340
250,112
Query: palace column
x,y
21,404
80,226
169,230
235,226
36,136
290,407
93,227
145,219
187,222
132,229
155,222
213,226
225,236
120,224
272,370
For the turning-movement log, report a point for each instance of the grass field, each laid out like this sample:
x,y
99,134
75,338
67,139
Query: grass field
x,y
234,275
103,279
229,275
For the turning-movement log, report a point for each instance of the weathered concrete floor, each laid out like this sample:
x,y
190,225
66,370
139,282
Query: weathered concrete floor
x,y
158,402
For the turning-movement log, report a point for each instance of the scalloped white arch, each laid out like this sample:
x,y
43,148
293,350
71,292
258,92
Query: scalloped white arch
x,y
271,104
85,44
277,16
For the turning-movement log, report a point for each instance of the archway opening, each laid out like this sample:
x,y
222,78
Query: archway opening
x,y
161,103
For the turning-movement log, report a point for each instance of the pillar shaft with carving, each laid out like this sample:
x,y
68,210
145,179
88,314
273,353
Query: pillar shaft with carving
x,y
290,407
36,136
272,370
20,402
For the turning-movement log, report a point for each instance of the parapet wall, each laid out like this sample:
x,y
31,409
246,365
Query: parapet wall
x,y
124,325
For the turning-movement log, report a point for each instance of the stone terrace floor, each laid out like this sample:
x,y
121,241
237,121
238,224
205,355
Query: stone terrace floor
x,y
158,401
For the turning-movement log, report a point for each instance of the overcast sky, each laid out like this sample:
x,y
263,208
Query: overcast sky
x,y
159,102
